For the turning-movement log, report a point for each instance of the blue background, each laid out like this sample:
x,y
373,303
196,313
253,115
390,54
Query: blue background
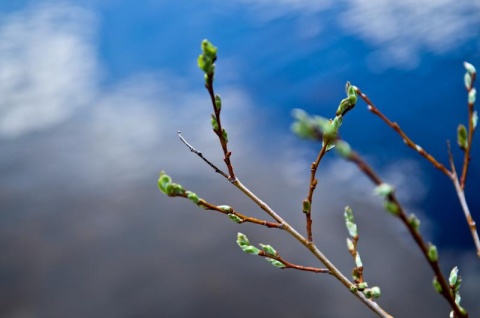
x,y
282,56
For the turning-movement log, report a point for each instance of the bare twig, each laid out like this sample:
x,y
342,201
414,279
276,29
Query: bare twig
x,y
406,139
463,202
198,153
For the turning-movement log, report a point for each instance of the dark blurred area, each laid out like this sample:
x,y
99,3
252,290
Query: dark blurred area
x,y
92,95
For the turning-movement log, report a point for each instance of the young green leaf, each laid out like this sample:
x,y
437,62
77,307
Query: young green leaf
x,y
432,253
235,218
275,263
242,240
462,137
269,250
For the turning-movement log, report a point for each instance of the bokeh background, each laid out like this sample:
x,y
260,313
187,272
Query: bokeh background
x,y
93,92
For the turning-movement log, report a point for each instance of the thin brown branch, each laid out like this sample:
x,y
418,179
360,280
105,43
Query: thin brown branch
x,y
314,250
243,218
404,136
294,266
198,153
219,130
370,173
313,184
471,129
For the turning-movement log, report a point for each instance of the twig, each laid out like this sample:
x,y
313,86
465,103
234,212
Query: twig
x,y
198,153
451,174
471,129
241,218
308,244
463,202
294,266
314,250
406,139
219,131
313,184
370,173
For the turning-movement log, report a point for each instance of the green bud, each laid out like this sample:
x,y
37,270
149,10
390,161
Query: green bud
x,y
368,293
437,286
330,146
358,260
432,253
214,123
353,288
467,80
249,249
414,221
225,135
462,137
472,96
209,49
384,190
352,96
306,206
218,102
343,107
235,218
275,263
242,240
343,149
269,250
474,119
225,208
192,197
176,189
469,67
350,245
362,286
336,123
350,222
458,298
452,279
164,182
391,207
376,293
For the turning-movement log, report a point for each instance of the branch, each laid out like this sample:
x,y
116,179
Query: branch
x,y
198,153
463,202
405,138
428,250
307,203
472,74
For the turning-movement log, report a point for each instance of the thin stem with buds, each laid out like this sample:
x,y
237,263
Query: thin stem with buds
x,y
451,174
307,205
370,173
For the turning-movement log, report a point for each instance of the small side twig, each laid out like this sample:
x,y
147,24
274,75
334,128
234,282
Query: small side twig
x,y
220,132
404,136
307,203
198,153
463,202
466,159
294,266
